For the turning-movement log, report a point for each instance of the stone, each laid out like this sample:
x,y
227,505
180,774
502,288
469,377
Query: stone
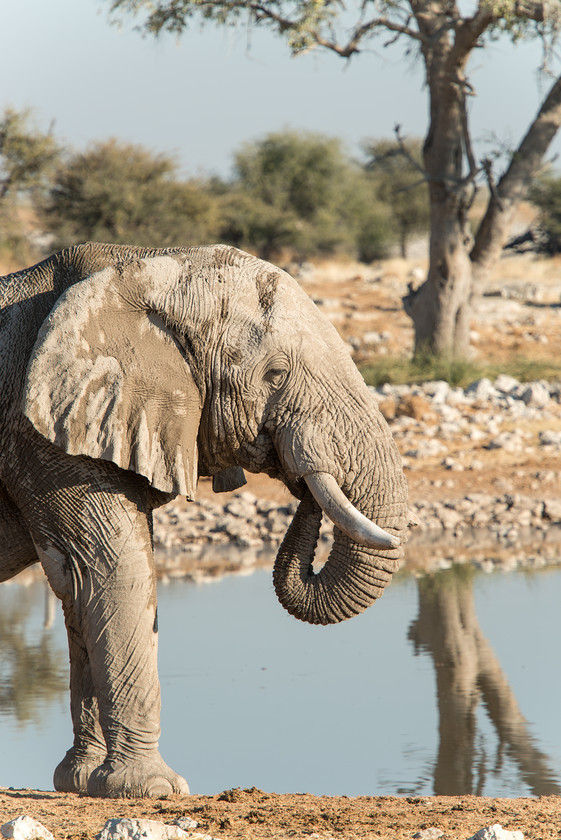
x,y
535,394
481,390
497,832
438,391
550,438
431,833
552,510
186,823
128,829
449,518
452,464
371,338
509,441
25,828
241,508
429,448
506,384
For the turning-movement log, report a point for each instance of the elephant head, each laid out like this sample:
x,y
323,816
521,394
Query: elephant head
x,y
210,359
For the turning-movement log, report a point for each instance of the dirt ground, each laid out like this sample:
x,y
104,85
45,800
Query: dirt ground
x,y
361,301
249,814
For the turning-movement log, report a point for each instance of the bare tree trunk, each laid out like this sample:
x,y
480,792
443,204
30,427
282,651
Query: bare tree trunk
x,y
441,307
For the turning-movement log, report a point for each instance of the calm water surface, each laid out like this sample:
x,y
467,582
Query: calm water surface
x,y
449,684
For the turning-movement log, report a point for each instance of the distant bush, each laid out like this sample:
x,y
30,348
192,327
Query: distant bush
x,y
123,193
28,157
396,171
300,191
289,191
545,193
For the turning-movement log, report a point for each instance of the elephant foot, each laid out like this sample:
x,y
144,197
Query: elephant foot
x,y
146,777
73,772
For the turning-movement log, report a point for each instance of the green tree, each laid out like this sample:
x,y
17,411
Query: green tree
x,y
400,184
444,34
122,193
28,157
546,195
300,191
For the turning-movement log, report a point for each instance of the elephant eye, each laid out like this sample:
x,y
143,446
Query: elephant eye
x,y
275,376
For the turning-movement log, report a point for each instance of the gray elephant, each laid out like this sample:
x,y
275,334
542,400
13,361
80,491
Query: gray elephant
x,y
124,375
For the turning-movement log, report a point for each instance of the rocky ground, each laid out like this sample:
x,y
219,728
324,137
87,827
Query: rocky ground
x,y
484,471
257,815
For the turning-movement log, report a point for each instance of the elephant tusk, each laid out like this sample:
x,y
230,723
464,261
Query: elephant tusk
x,y
344,515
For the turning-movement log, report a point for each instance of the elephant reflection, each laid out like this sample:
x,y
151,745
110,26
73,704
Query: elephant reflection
x,y
467,672
32,672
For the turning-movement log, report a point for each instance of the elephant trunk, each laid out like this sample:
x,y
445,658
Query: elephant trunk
x,y
353,577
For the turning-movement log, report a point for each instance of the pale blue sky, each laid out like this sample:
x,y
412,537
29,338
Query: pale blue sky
x,y
201,97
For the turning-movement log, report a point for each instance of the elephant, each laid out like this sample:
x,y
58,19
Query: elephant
x,y
127,373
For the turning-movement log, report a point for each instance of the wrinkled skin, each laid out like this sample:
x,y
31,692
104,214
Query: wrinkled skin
x,y
125,374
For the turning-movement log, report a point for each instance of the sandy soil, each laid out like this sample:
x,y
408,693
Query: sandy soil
x,y
361,301
256,814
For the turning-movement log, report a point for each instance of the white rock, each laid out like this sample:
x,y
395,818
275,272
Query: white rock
x,y
482,390
186,823
506,384
25,828
536,394
127,829
438,390
431,833
509,441
497,832
371,338
550,438
428,447
552,510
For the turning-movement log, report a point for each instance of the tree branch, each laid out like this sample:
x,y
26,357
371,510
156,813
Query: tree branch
x,y
514,184
346,50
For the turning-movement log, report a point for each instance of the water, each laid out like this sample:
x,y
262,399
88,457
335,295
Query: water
x,y
450,684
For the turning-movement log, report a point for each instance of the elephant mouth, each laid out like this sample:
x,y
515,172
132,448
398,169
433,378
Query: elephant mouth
x,y
361,562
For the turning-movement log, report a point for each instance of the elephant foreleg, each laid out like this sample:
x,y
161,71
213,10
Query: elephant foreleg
x,y
89,749
110,606
92,527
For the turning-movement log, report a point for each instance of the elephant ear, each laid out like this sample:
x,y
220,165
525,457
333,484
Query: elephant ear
x,y
108,379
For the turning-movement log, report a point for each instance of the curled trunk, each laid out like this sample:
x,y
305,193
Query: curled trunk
x,y
350,581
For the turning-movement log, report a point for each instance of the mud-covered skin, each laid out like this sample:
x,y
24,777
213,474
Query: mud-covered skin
x,y
125,375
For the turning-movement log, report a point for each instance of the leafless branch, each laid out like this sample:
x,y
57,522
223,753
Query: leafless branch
x,y
514,183
360,32
407,154
467,139
487,167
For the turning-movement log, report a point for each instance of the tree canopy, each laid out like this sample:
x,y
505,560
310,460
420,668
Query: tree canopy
x,y
444,33
546,194
28,157
301,191
400,185
123,193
